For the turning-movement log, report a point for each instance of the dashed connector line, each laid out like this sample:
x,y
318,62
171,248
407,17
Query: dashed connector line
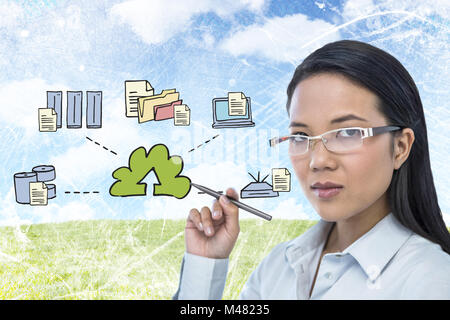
x,y
207,141
101,146
80,192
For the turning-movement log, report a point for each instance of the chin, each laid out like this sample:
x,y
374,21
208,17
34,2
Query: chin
x,y
332,212
329,216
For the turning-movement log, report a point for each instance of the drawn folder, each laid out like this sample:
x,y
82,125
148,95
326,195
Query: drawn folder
x,y
165,111
146,111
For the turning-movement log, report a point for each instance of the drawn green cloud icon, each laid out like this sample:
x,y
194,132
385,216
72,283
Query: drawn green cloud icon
x,y
167,170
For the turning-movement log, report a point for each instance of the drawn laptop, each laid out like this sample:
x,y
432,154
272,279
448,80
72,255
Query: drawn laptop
x,y
223,120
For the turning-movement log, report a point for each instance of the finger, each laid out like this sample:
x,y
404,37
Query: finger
x,y
216,210
194,218
205,215
229,208
230,211
230,192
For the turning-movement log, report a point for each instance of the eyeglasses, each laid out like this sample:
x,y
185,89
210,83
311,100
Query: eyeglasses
x,y
338,140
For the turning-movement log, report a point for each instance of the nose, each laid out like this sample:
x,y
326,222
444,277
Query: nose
x,y
320,157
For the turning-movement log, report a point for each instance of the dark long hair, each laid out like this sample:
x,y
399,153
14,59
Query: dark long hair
x,y
412,194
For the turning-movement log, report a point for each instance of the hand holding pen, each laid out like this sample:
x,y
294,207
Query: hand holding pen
x,y
213,233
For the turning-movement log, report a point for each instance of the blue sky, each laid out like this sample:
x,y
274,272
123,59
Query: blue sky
x,y
204,49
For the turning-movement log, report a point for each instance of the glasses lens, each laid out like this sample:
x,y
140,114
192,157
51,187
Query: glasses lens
x,y
343,140
298,145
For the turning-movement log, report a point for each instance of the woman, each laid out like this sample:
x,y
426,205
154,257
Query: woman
x,y
358,145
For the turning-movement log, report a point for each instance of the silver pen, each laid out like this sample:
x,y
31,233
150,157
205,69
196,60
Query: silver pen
x,y
235,202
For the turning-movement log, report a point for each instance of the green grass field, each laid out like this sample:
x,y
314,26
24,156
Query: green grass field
x,y
120,259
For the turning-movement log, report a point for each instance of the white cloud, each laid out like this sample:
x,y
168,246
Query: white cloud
x,y
360,8
220,175
290,209
24,33
80,166
208,39
157,21
10,13
283,39
69,212
55,36
8,211
353,9
12,213
20,101
254,5
320,5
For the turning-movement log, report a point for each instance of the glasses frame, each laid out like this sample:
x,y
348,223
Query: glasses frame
x,y
367,132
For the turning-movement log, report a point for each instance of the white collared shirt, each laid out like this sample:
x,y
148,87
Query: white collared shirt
x,y
388,262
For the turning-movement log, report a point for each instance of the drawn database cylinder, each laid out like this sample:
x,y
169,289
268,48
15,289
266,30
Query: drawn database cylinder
x,y
51,193
45,173
22,186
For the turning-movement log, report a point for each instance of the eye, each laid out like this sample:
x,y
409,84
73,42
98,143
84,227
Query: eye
x,y
347,133
299,133
299,137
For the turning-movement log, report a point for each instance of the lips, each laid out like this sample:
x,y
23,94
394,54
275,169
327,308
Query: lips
x,y
326,190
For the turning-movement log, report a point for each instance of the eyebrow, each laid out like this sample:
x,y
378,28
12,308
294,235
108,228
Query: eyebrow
x,y
337,120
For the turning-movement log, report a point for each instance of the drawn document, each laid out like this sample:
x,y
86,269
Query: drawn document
x,y
47,119
281,180
38,194
135,89
146,105
181,115
237,104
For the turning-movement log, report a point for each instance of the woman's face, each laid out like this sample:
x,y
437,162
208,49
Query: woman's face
x,y
321,102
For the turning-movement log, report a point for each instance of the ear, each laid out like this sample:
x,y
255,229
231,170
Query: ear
x,y
402,146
